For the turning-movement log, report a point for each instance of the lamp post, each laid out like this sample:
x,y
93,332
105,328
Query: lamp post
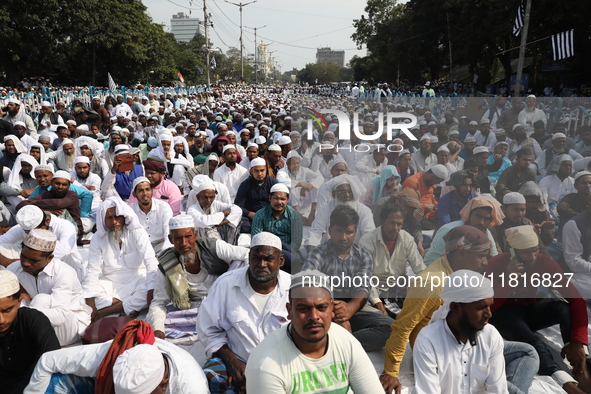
x,y
241,5
256,58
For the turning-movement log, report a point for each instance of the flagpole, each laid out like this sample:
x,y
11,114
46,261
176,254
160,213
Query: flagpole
x,y
522,49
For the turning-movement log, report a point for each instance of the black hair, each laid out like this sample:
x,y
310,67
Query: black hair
x,y
470,163
524,152
390,208
344,216
16,295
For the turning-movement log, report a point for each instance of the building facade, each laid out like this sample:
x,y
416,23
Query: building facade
x,y
184,27
327,55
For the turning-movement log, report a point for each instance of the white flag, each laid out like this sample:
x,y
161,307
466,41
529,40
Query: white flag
x,y
112,85
519,19
213,63
563,45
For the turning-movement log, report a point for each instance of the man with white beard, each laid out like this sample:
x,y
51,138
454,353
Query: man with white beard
x,y
346,190
530,114
549,161
65,156
304,184
121,275
296,140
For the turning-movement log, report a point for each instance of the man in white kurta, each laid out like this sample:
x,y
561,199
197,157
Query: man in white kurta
x,y
530,115
123,266
371,165
559,184
230,173
152,213
303,184
445,359
424,156
52,285
185,376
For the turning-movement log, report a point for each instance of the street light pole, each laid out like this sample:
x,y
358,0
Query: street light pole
x,y
256,48
206,24
522,49
241,5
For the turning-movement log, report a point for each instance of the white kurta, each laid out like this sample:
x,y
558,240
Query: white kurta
x,y
125,273
556,189
92,180
573,257
420,162
155,222
319,164
231,178
229,315
186,377
442,365
367,168
56,292
527,118
304,175
203,220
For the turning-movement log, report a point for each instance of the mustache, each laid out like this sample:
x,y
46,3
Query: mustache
x,y
314,324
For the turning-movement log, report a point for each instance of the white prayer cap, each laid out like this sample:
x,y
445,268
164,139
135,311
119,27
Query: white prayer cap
x,y
516,125
14,100
454,132
279,187
8,284
181,221
531,96
29,217
558,135
274,147
522,237
138,180
252,145
265,239
138,370
96,98
513,198
581,174
434,139
67,141
292,153
207,185
259,161
565,158
72,121
121,149
165,136
45,104
480,149
19,123
473,123
83,127
260,140
440,171
470,139
45,167
229,146
11,252
310,278
432,123
443,148
463,286
501,143
284,140
62,174
485,121
288,118
244,130
41,240
500,132
426,137
82,159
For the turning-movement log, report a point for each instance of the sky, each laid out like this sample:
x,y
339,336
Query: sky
x,y
302,24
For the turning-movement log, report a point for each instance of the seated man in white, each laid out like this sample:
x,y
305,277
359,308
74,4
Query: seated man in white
x,y
185,274
152,213
222,195
459,351
30,217
242,308
52,286
121,273
151,366
310,354
215,219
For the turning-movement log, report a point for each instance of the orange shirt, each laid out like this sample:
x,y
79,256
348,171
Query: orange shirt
x,y
416,182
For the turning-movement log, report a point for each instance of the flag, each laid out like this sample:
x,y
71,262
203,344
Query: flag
x,y
213,63
563,45
519,19
181,76
112,85
200,69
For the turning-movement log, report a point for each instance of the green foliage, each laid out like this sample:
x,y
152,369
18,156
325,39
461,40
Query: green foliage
x,y
322,72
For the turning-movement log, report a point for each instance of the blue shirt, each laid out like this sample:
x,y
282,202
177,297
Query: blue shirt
x,y
288,227
84,195
449,208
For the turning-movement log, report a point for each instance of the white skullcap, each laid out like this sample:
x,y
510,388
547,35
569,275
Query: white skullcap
x,y
8,284
45,104
181,221
443,148
500,132
454,132
513,198
311,278
485,121
45,167
14,100
274,147
432,123
121,149
531,96
29,217
11,252
565,158
259,161
165,137
580,174
516,125
473,123
229,146
72,121
67,141
558,135
522,237
480,149
470,139
19,123
426,137
83,127
265,239
138,180
291,154
279,187
82,159
463,286
284,140
207,185
252,145
434,139
62,174
440,171
501,143
138,370
41,240
260,140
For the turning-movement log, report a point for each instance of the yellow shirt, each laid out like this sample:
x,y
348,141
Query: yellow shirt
x,y
420,303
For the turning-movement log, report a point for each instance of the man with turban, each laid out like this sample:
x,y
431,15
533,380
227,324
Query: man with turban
x,y
518,314
121,274
481,212
458,351
453,202
186,273
162,188
26,334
